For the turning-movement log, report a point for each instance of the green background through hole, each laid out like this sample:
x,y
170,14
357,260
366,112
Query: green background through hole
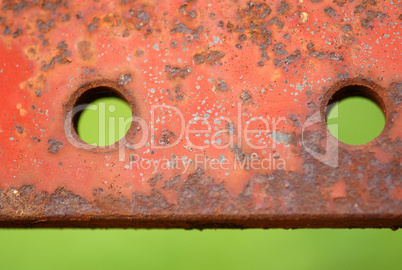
x,y
208,249
113,113
355,120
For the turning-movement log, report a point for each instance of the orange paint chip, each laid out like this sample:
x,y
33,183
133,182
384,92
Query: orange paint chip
x,y
397,193
339,190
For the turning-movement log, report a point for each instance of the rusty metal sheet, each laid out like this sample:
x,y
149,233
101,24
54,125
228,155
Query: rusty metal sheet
x,y
229,102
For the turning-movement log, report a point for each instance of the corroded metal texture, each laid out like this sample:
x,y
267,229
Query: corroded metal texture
x,y
198,74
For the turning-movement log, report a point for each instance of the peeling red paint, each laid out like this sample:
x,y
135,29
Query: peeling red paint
x,y
241,60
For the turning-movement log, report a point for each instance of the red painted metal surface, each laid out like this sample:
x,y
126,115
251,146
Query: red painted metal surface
x,y
199,74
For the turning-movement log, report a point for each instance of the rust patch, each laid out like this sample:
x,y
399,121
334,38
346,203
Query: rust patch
x,y
124,79
85,49
246,97
61,57
177,72
166,135
283,7
210,57
55,146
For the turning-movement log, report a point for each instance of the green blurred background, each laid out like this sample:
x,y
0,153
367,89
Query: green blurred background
x,y
214,249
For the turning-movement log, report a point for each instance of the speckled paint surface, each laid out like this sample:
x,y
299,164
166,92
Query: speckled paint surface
x,y
215,66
